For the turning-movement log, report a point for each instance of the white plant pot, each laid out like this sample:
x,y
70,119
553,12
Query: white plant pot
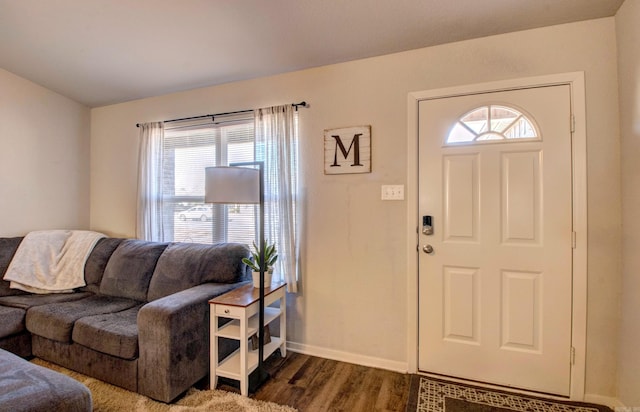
x,y
267,279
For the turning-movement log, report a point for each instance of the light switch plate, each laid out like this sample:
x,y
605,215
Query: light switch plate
x,y
392,192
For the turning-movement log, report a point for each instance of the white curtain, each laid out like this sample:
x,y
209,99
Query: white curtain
x,y
149,219
276,145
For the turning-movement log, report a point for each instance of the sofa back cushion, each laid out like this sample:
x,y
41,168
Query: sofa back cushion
x,y
184,265
8,247
129,269
97,262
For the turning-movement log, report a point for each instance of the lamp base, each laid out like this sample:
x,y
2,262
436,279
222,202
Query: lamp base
x,y
257,378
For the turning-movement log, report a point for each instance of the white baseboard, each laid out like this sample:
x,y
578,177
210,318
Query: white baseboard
x,y
603,400
348,357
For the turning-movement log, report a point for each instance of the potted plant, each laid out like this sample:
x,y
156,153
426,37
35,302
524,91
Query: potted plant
x,y
270,257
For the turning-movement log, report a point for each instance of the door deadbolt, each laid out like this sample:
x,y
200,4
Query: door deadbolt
x,y
427,225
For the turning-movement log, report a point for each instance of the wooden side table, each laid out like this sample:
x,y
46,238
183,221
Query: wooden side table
x,y
242,306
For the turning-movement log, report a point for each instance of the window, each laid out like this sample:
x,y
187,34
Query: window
x,y
492,123
173,158
189,147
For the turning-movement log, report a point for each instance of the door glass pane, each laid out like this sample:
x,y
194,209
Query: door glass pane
x,y
490,136
459,133
501,118
492,123
521,129
477,120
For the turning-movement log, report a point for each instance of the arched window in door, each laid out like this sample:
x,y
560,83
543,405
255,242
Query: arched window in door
x,y
492,123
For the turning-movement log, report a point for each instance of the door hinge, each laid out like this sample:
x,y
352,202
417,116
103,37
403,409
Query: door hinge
x,y
573,355
573,123
573,240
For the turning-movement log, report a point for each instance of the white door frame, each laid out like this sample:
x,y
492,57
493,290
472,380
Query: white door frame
x,y
579,158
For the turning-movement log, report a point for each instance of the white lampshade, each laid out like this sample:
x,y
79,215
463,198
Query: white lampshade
x,y
232,185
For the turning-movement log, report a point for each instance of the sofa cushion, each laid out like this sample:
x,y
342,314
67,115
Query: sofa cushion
x,y
27,301
8,247
129,269
111,333
184,265
97,262
12,321
55,321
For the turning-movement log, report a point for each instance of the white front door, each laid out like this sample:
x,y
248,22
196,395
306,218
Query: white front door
x,y
495,277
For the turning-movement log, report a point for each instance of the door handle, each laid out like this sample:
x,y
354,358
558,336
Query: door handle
x,y
427,249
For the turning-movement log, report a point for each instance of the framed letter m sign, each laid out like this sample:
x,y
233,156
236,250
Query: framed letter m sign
x,y
347,150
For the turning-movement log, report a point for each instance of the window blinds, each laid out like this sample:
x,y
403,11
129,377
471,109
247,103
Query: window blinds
x,y
189,147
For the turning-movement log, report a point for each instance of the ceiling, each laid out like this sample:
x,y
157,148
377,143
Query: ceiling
x,y
100,52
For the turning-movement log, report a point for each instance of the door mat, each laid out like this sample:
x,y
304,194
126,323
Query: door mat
x,y
436,395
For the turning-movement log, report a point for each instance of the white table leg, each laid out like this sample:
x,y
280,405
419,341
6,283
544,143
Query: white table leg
x,y
244,355
213,347
283,324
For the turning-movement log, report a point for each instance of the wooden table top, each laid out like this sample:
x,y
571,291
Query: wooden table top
x,y
245,295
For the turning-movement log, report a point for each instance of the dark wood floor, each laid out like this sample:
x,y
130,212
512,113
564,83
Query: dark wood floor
x,y
314,384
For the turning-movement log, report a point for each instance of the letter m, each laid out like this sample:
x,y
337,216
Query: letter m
x,y
355,145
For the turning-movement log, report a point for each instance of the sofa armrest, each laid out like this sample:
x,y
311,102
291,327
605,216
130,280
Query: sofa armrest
x,y
8,248
173,339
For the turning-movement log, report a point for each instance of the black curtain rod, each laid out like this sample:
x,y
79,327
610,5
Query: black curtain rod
x,y
296,105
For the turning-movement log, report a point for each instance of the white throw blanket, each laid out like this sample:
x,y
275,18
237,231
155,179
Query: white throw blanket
x,y
51,261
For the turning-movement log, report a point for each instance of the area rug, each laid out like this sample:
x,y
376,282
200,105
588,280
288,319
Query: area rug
x,y
435,395
110,398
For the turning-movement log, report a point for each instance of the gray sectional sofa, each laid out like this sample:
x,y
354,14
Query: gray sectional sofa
x,y
142,320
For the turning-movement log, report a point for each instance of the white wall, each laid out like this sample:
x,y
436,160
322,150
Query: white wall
x,y
354,286
44,159
628,35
